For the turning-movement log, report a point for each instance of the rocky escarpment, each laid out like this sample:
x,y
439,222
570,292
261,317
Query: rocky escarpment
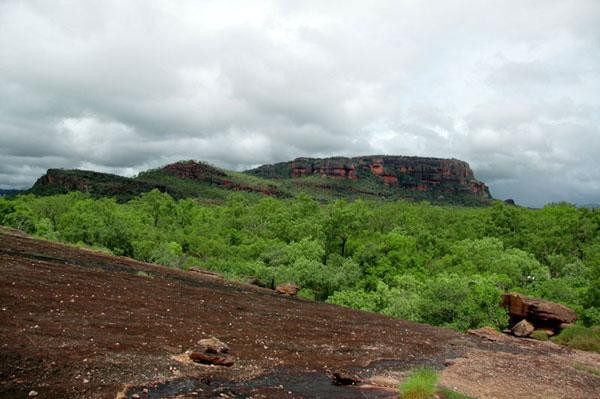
x,y
197,171
414,173
60,181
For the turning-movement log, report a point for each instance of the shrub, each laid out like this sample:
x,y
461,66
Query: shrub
x,y
579,337
141,273
539,335
421,384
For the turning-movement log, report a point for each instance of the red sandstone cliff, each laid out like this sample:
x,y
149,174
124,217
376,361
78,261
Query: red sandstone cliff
x,y
421,174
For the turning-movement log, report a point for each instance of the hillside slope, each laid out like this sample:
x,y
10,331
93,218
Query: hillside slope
x,y
76,323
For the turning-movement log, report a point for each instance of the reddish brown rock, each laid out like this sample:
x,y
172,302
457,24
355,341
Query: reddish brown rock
x,y
390,180
539,312
523,329
205,273
192,170
211,358
213,345
287,289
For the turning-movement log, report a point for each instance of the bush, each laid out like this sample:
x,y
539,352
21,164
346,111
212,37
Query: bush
x,y
421,384
539,335
579,337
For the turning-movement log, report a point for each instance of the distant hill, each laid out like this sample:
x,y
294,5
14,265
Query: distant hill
x,y
370,177
9,192
385,176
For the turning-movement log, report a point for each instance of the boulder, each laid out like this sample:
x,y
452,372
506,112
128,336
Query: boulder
x,y
213,345
212,358
287,289
211,351
538,312
523,329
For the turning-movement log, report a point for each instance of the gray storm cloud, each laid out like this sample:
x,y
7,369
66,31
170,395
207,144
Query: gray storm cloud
x,y
121,86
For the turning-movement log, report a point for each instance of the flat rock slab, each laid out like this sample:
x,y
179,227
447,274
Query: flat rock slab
x,y
68,312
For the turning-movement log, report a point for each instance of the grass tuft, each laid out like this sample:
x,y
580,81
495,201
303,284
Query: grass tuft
x,y
446,393
142,273
587,369
539,335
579,337
421,384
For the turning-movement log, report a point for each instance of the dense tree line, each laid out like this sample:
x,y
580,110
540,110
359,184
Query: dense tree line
x,y
445,266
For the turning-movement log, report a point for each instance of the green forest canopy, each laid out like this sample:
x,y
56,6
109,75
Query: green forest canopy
x,y
441,265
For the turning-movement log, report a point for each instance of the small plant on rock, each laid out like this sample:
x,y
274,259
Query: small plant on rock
x,y
539,335
421,384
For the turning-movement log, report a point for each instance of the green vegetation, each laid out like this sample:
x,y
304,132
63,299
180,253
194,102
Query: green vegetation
x,y
587,369
580,337
539,335
421,384
442,265
445,393
141,273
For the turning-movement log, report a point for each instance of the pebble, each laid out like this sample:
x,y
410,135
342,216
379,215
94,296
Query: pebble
x,y
32,394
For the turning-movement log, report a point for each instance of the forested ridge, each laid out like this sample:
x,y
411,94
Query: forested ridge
x,y
442,265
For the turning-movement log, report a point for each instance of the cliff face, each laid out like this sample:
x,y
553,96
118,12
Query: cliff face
x,y
414,173
59,181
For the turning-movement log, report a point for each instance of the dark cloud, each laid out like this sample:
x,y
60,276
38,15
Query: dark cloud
x,y
122,86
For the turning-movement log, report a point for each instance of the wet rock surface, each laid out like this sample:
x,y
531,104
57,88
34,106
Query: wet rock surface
x,y
70,315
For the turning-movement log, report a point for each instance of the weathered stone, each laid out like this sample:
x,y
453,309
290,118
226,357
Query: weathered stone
x,y
539,312
523,329
211,358
488,333
205,273
287,289
343,377
213,345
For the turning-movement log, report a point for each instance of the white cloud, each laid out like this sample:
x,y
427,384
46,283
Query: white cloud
x,y
121,86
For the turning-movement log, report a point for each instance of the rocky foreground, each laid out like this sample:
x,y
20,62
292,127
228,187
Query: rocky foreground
x,y
76,323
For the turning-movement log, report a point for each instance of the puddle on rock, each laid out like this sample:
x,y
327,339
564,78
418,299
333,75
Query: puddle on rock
x,y
283,383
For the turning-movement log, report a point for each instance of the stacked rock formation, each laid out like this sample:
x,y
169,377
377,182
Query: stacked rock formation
x,y
529,314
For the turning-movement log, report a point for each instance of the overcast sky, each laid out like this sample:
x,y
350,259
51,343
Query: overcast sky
x,y
512,87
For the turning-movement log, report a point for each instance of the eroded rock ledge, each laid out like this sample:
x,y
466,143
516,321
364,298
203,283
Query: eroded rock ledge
x,y
422,174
